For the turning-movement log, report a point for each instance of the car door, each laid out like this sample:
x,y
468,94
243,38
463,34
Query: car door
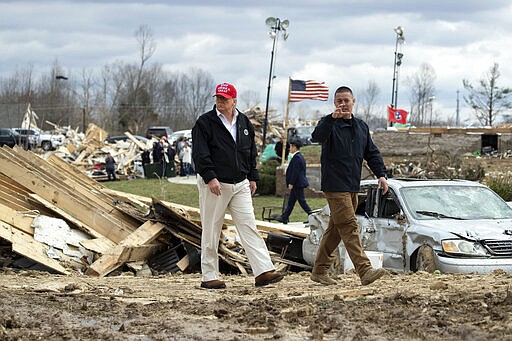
x,y
383,227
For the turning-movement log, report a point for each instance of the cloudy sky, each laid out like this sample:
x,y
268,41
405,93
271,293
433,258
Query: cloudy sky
x,y
340,42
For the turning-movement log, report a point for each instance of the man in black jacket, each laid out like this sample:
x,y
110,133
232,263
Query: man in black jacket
x,y
224,155
346,142
296,181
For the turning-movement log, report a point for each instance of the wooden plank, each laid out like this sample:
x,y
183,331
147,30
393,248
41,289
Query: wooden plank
x,y
194,212
446,130
25,245
99,245
70,202
73,172
70,218
183,263
134,140
116,256
19,220
54,175
138,252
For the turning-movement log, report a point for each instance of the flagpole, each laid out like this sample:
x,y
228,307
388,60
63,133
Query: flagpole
x,y
285,123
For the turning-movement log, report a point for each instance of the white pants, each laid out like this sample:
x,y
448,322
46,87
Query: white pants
x,y
237,198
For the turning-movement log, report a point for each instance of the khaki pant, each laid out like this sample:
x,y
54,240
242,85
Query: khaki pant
x,y
237,199
342,226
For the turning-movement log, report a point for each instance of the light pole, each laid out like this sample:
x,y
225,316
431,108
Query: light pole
x,y
429,148
84,108
275,25
400,39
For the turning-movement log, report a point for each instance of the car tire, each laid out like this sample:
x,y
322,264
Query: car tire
x,y
46,145
425,259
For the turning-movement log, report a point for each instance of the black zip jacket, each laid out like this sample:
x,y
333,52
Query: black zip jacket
x,y
215,153
345,143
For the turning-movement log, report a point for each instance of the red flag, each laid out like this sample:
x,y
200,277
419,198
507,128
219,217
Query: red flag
x,y
301,90
397,115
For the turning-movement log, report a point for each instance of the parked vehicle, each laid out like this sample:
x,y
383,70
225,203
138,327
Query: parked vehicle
x,y
9,137
454,226
179,134
114,139
31,134
40,139
158,132
301,133
50,141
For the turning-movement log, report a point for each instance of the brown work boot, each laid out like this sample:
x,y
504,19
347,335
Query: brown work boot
x,y
322,279
372,275
267,278
214,284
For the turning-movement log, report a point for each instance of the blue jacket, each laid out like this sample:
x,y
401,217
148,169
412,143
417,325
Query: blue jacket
x,y
345,144
296,172
216,155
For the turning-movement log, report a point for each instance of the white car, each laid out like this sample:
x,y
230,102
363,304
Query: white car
x,y
179,134
453,226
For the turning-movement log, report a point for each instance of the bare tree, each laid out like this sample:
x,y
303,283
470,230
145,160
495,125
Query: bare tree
x,y
135,107
488,100
248,99
16,92
421,89
367,100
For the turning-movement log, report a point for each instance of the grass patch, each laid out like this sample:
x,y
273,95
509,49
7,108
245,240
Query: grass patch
x,y
188,195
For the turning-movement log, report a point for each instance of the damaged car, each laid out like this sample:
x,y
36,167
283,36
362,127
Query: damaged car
x,y
452,226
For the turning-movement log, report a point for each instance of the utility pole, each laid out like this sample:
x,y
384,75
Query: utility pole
x,y
457,118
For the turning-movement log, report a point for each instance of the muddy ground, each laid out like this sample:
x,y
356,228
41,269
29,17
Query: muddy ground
x,y
38,305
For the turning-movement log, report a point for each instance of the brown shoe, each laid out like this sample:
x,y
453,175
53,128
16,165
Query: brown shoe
x,y
322,279
267,278
214,284
372,275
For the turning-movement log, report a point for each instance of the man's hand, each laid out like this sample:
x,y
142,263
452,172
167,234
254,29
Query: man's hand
x,y
215,187
383,184
253,187
339,113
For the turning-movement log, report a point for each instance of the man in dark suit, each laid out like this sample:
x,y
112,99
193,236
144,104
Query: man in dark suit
x,y
296,181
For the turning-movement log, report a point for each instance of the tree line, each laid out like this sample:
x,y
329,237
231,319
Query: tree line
x,y
122,97
132,96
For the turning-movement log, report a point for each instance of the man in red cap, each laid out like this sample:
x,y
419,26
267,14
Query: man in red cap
x,y
224,155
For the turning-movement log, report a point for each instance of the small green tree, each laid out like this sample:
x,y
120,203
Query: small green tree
x,y
488,100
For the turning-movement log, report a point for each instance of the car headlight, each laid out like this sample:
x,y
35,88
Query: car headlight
x,y
463,247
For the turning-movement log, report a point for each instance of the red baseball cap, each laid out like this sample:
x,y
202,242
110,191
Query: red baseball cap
x,y
225,90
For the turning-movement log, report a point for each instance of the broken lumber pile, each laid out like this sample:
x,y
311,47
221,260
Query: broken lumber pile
x,y
106,230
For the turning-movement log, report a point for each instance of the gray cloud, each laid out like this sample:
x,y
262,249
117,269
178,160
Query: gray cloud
x,y
349,42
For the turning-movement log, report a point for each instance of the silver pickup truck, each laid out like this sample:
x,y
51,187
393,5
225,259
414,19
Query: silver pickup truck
x,y
41,139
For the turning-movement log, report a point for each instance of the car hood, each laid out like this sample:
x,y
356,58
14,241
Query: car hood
x,y
472,229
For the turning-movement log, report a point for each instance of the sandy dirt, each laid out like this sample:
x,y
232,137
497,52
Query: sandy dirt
x,y
37,305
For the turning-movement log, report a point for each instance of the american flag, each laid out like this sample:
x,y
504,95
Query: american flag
x,y
301,90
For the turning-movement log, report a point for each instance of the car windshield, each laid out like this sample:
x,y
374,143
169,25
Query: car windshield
x,y
455,202
305,130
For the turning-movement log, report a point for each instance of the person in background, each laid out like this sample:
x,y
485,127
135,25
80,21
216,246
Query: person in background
x,y
157,152
164,151
146,160
346,142
279,150
296,181
110,167
224,155
186,156
179,147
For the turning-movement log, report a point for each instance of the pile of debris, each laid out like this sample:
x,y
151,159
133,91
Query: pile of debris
x,y
54,217
88,152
